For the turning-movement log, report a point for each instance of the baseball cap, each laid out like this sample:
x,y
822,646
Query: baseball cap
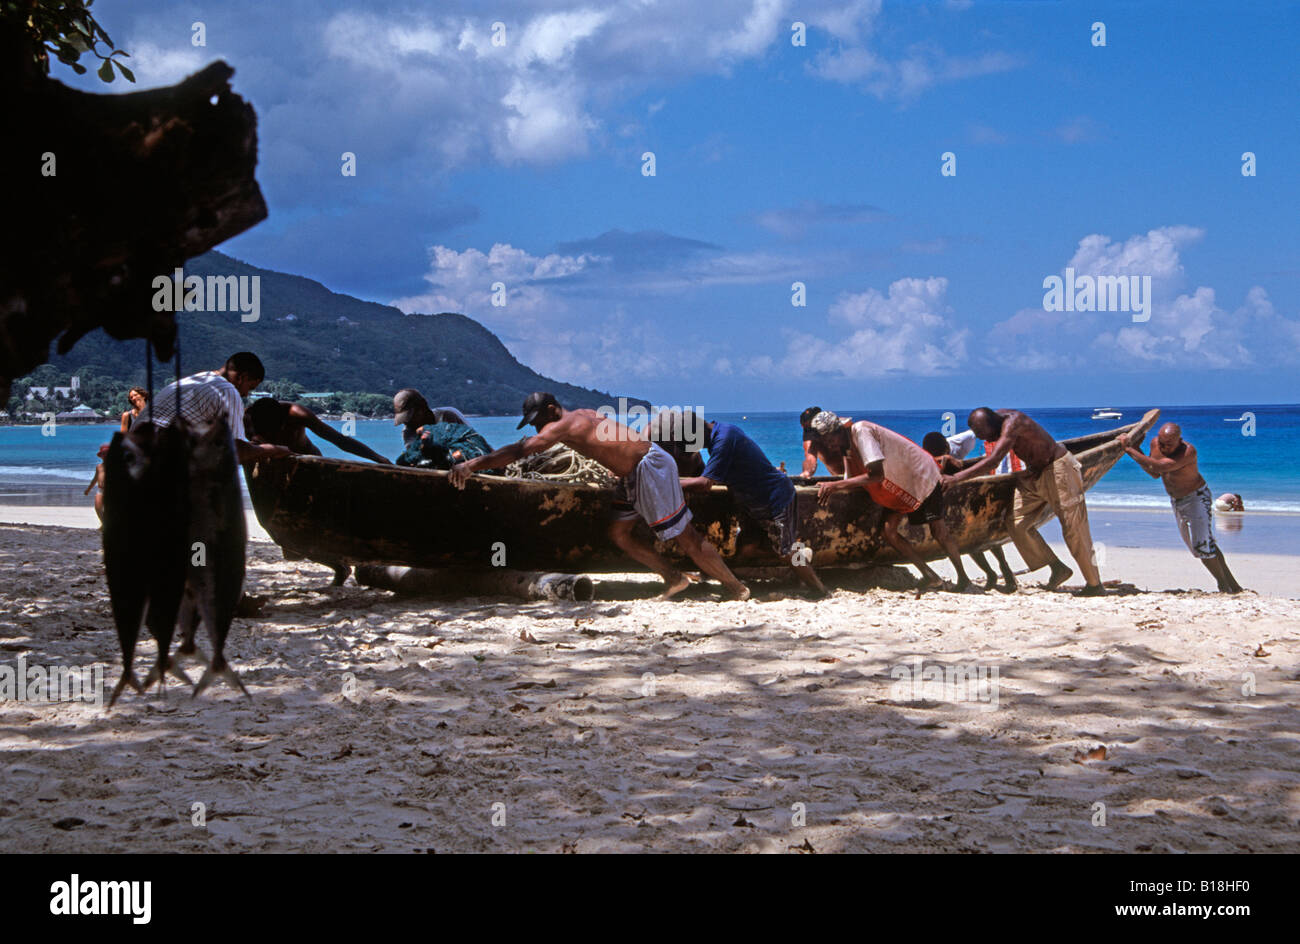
x,y
534,403
407,405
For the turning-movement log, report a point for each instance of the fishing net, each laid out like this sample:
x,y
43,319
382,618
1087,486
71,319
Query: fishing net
x,y
561,464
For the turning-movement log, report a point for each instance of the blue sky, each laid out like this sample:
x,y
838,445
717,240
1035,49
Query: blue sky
x,y
521,164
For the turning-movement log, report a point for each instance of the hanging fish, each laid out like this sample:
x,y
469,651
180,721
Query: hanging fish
x,y
216,526
126,541
169,553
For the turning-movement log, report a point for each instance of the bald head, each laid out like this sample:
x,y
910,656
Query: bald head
x,y
1169,437
986,422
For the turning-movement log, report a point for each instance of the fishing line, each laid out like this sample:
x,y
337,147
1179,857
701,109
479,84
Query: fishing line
x,y
148,374
178,375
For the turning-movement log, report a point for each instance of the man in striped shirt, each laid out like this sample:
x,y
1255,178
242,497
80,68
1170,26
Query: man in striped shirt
x,y
216,394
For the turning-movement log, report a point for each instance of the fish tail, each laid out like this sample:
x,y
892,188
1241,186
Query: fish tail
x,y
172,667
128,678
224,671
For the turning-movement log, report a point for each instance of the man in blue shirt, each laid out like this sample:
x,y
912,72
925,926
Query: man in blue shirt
x,y
765,495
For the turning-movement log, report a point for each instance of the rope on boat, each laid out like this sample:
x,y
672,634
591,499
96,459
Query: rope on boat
x,y
561,464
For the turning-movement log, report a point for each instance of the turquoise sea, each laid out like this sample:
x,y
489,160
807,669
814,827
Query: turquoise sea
x,y
1261,467
1127,508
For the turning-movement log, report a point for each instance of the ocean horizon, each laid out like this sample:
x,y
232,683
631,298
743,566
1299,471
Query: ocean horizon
x,y
1260,467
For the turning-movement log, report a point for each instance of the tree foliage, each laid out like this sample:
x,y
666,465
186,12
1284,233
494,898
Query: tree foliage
x,y
67,29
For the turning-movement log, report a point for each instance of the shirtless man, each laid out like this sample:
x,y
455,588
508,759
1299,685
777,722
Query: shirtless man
x,y
1173,461
1052,477
649,486
899,476
286,424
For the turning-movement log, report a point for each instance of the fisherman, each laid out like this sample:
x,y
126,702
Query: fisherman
x,y
269,420
1173,460
648,486
948,451
899,476
1052,477
213,394
765,495
411,411
812,450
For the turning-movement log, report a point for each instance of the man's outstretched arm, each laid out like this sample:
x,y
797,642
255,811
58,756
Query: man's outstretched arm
x,y
809,460
502,457
346,442
988,463
247,452
1157,466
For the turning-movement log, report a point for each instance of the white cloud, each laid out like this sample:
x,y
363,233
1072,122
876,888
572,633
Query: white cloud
x,y
910,330
414,84
1155,254
463,282
905,78
1185,330
154,64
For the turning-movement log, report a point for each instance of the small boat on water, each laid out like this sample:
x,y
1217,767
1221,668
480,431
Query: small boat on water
x,y
362,513
1106,413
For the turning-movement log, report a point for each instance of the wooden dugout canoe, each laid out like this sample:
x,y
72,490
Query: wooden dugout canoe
x,y
362,513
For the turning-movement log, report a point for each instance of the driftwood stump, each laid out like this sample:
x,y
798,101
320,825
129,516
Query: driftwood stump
x,y
141,182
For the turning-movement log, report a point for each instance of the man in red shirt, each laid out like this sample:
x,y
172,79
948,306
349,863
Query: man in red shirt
x,y
900,476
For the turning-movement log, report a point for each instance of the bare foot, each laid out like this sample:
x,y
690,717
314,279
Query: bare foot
x,y
1092,590
932,582
674,586
1010,586
1060,574
741,594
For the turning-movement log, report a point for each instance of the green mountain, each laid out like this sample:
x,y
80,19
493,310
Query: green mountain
x,y
325,341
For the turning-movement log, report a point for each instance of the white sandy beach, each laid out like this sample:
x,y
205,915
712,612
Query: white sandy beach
x,y
774,725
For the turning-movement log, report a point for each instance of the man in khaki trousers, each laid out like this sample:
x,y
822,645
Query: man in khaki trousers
x,y
1053,478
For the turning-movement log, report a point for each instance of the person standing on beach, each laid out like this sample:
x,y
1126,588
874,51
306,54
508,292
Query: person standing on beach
x,y
1052,477
899,476
765,495
1173,460
649,486
138,397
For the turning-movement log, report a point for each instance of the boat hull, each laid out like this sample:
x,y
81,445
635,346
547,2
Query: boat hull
x,y
362,513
